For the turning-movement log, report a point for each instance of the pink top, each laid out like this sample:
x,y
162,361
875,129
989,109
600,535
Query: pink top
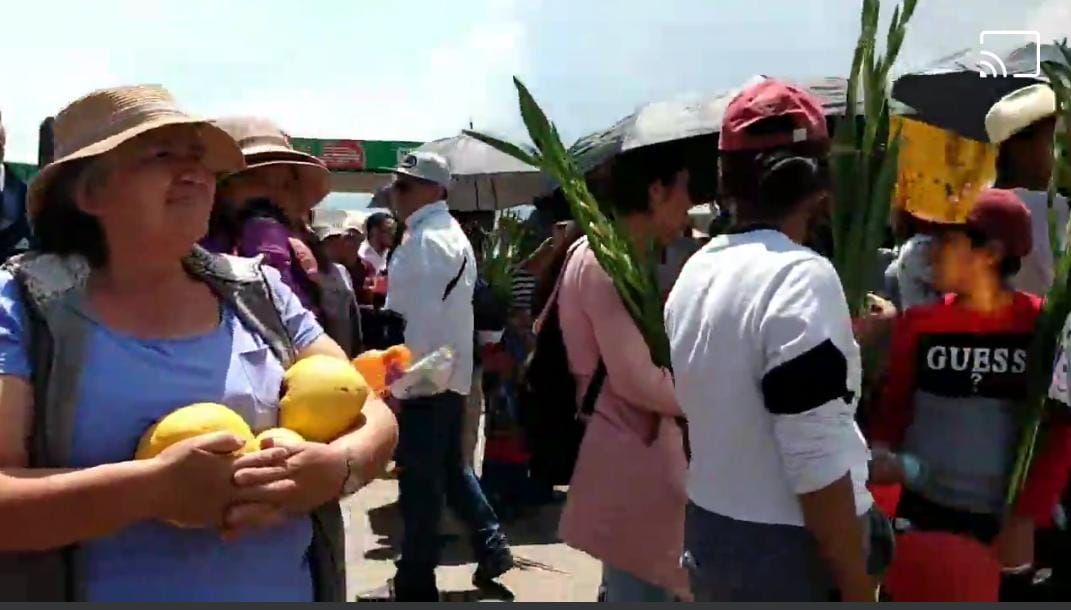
x,y
627,496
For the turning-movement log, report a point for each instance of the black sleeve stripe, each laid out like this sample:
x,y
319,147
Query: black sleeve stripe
x,y
808,381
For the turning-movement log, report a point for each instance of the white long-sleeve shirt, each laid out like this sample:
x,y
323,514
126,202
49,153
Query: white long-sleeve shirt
x,y
767,371
1037,271
433,254
370,256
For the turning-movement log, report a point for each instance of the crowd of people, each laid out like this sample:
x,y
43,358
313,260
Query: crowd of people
x,y
175,260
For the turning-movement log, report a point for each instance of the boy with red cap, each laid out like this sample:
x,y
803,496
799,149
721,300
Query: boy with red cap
x,y
949,427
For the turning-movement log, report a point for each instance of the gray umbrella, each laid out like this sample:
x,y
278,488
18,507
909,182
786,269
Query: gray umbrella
x,y
679,120
952,94
381,198
484,178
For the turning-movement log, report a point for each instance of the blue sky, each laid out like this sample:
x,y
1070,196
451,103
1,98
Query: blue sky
x,y
423,69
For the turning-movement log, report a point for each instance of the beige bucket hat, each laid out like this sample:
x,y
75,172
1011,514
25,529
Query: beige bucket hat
x,y
1018,110
265,144
102,120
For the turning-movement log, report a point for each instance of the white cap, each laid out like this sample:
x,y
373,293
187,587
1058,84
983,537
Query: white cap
x,y
325,231
1018,110
426,166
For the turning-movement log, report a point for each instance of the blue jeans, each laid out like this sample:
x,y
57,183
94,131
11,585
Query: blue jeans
x,y
621,587
431,470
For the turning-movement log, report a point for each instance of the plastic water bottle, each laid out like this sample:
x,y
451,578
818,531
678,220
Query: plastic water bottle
x,y
915,471
426,377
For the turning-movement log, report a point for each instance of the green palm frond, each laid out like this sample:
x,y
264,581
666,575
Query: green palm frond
x,y
864,160
631,270
500,255
1058,301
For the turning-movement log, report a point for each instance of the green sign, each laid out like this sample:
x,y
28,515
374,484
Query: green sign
x,y
356,155
23,171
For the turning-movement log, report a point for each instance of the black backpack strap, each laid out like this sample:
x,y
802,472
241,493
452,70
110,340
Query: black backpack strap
x,y
594,389
682,423
457,278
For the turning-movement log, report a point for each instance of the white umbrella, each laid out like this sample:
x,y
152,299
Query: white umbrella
x,y
484,179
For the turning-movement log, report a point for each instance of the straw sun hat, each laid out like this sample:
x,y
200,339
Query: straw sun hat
x,y
99,122
264,144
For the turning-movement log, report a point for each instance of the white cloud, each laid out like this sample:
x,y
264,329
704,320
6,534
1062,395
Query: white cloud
x,y
373,70
1052,20
389,78
942,27
448,85
43,87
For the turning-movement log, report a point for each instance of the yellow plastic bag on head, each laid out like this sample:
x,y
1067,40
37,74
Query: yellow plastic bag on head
x,y
941,173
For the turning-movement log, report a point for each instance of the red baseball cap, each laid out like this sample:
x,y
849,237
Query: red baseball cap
x,y
1001,215
772,98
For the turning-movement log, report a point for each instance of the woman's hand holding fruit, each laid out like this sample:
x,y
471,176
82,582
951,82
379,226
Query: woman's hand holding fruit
x,y
316,473
196,479
204,482
216,473
270,488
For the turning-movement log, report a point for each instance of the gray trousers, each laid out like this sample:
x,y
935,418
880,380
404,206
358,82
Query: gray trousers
x,y
740,561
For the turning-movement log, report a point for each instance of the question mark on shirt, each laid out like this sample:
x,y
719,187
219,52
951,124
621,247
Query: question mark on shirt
x,y
976,378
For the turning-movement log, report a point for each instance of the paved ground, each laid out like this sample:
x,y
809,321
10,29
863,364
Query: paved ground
x,y
550,570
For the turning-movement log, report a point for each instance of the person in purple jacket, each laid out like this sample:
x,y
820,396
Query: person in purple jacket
x,y
263,211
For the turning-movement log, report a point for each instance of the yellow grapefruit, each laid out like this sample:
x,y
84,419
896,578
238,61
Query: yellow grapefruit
x,y
324,397
282,434
189,422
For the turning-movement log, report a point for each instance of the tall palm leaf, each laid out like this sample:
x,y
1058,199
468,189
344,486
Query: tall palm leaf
x,y
1058,301
864,160
629,265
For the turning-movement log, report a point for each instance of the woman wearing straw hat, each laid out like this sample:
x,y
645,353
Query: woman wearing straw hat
x,y
116,320
263,209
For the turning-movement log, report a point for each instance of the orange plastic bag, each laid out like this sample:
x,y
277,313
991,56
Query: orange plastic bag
x,y
381,367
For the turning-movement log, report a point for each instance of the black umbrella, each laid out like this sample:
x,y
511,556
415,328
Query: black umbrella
x,y
381,198
694,125
674,120
952,94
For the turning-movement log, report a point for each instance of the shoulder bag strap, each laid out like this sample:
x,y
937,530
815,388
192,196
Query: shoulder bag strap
x,y
594,389
591,395
552,302
457,278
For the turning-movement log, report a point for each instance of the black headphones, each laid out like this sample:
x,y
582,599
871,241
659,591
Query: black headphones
x,y
785,178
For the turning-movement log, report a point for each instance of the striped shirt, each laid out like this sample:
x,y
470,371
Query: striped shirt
x,y
523,288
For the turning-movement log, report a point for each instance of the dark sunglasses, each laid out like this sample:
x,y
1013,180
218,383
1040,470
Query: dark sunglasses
x,y
406,185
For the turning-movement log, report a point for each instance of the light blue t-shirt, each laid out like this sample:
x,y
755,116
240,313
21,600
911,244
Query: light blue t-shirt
x,y
128,384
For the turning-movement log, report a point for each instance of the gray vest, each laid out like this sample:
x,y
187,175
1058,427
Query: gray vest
x,y
967,446
51,287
